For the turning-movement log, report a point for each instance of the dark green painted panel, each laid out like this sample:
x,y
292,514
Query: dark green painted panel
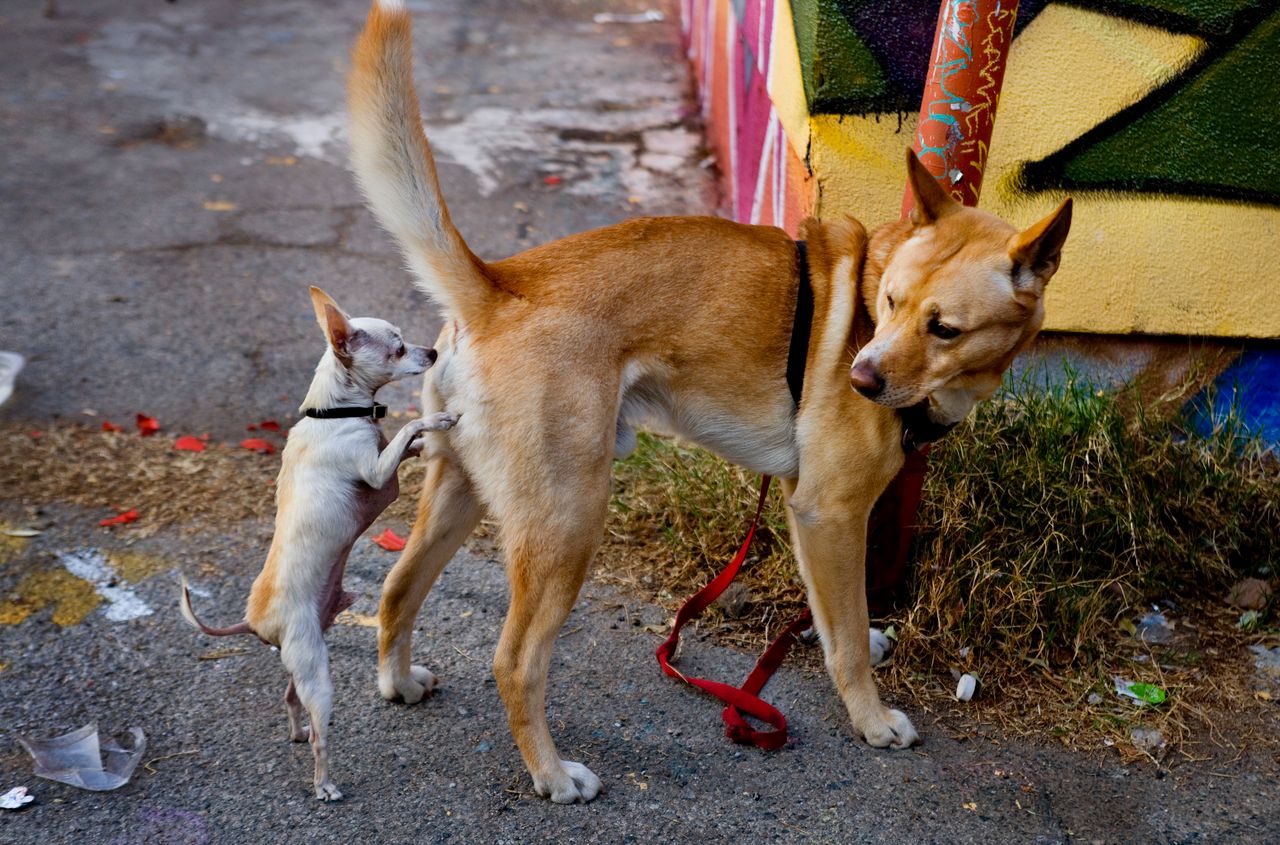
x,y
840,73
1211,133
1203,17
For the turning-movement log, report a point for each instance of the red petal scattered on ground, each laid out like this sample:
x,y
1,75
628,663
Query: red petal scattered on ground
x,y
131,515
551,180
189,444
269,425
389,540
108,425
35,434
250,427
258,445
147,426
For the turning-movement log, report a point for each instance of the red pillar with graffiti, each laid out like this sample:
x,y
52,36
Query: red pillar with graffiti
x,y
953,134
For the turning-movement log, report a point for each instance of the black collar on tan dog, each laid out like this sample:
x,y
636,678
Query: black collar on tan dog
x,y
801,326
378,411
917,429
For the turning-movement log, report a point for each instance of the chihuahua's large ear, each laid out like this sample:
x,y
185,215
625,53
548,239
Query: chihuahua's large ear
x,y
1038,249
928,199
337,328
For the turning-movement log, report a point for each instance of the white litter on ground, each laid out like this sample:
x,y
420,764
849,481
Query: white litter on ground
x,y
11,364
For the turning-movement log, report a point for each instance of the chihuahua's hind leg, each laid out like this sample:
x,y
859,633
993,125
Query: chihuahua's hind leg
x,y
305,656
299,731
447,514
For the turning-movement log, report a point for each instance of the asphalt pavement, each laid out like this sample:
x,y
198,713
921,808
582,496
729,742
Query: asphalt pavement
x,y
172,179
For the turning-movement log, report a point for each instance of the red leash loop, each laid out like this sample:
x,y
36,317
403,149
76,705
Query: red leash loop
x,y
744,700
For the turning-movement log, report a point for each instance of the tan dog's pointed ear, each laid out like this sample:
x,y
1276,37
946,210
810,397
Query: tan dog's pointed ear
x,y
928,199
1039,247
337,328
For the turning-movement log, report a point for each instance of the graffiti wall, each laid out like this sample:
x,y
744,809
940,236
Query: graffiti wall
x,y
1156,116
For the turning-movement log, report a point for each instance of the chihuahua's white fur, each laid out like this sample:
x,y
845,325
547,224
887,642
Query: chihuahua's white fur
x,y
336,476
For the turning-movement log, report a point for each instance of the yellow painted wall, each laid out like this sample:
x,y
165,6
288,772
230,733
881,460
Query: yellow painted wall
x,y
1134,263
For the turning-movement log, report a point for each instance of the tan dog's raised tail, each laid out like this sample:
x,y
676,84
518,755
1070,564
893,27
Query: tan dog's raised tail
x,y
555,357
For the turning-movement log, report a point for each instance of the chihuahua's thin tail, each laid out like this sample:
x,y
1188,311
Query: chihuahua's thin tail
x,y
185,604
393,163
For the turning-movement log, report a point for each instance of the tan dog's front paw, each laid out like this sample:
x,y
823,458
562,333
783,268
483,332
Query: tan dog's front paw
x,y
574,783
328,792
410,690
889,729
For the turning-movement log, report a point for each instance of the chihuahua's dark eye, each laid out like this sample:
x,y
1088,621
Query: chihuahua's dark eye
x,y
889,299
939,330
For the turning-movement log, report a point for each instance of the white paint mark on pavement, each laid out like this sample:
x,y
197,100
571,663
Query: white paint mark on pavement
x,y
92,566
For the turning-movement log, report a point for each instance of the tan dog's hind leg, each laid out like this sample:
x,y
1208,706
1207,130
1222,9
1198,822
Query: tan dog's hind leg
x,y
447,514
829,530
546,572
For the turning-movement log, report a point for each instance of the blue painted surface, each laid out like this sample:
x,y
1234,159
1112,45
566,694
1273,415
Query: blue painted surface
x,y
1250,387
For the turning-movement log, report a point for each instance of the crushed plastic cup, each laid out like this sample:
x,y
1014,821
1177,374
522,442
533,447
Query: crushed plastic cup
x,y
79,759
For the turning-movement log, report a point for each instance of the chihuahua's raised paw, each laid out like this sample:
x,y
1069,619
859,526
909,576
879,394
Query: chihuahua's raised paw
x,y
442,421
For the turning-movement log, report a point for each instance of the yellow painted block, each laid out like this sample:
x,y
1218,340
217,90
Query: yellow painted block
x,y
1070,70
858,163
785,82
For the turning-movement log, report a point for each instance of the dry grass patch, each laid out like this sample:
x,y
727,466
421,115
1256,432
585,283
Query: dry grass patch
x,y
1052,522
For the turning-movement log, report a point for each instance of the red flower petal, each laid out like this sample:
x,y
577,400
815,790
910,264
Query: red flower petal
x,y
551,180
269,425
251,427
389,540
108,425
131,515
147,426
258,445
189,444
35,434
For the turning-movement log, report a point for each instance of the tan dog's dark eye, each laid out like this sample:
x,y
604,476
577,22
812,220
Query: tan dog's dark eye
x,y
889,299
937,329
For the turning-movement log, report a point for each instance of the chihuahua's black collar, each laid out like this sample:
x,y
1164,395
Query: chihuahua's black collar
x,y
378,411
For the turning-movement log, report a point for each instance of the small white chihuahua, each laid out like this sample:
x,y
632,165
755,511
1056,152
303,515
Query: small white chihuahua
x,y
337,473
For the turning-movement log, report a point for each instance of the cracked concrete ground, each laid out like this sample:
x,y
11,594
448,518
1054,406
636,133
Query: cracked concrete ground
x,y
173,178
176,178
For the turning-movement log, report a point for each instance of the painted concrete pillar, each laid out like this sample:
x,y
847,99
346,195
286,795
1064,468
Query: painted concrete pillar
x,y
961,92
953,135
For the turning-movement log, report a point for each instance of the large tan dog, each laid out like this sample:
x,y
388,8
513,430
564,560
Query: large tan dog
x,y
553,357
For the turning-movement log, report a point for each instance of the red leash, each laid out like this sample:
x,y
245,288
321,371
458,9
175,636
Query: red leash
x,y
744,700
